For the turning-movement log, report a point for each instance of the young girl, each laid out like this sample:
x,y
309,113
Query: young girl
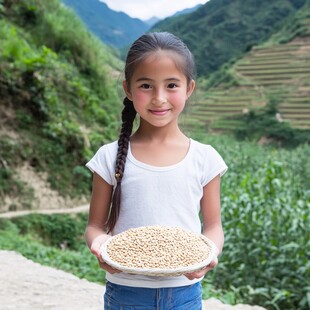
x,y
155,176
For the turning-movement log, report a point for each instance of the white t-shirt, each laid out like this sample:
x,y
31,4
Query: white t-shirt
x,y
168,196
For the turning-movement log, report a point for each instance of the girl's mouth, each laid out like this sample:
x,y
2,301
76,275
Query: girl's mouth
x,y
159,112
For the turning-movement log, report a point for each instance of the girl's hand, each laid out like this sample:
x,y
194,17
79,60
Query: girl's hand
x,y
202,272
95,249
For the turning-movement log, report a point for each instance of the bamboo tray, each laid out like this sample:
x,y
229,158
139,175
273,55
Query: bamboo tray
x,y
160,272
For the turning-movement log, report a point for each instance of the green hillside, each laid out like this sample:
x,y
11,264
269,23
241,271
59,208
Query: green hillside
x,y
271,80
58,101
223,29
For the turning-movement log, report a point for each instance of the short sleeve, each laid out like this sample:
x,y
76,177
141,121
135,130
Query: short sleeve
x,y
103,163
214,165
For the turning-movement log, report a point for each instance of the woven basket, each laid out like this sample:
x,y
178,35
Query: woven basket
x,y
160,272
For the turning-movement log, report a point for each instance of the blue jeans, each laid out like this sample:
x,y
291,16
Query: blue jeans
x,y
119,297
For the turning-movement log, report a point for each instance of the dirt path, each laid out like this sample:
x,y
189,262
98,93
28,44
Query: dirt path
x,y
26,285
12,214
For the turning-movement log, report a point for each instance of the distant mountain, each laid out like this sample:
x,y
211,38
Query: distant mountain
x,y
187,11
221,30
113,28
152,21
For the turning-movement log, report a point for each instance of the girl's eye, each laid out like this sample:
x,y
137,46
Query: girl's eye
x,y
172,85
145,86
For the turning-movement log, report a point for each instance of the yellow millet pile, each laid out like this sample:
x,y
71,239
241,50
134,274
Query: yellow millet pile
x,y
157,247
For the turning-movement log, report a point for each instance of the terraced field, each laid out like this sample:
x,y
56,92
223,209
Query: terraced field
x,y
279,71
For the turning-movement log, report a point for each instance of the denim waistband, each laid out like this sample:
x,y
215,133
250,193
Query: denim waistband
x,y
119,297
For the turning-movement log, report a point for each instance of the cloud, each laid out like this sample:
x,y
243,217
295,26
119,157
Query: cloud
x,y
149,8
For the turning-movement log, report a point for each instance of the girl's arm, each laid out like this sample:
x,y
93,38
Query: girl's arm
x,y
211,213
98,214
212,223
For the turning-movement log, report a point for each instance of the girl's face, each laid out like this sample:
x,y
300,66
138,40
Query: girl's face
x,y
159,89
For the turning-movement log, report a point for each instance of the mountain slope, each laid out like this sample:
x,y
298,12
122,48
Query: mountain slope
x,y
114,28
272,79
58,101
187,11
224,29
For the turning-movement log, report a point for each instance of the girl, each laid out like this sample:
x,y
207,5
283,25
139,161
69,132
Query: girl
x,y
155,176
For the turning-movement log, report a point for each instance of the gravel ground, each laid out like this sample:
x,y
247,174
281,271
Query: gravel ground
x,y
26,285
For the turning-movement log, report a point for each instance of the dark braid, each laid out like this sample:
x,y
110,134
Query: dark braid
x,y
128,116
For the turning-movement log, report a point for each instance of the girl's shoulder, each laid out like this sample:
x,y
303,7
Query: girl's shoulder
x,y
209,158
110,147
205,152
107,152
201,147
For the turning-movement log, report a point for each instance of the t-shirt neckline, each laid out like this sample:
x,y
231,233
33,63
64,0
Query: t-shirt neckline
x,y
159,168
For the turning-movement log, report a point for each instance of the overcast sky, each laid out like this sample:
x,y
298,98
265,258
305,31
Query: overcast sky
x,y
145,9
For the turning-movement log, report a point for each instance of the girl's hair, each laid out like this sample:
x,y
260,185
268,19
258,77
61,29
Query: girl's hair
x,y
142,48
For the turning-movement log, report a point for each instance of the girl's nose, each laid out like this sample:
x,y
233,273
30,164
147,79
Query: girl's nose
x,y
158,98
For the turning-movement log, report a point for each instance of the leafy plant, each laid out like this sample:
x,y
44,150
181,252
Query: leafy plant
x,y
265,206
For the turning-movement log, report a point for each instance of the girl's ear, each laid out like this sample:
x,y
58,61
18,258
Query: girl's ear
x,y
190,88
126,90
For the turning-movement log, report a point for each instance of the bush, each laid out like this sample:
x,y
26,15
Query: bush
x,y
263,123
56,230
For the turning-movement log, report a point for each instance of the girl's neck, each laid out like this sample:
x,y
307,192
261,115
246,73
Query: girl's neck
x,y
145,134
161,149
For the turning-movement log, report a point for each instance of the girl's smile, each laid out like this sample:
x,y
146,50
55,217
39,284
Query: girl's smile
x,y
160,112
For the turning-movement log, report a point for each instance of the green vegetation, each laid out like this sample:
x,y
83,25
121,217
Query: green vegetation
x,y
262,123
222,30
265,203
239,97
57,95
296,26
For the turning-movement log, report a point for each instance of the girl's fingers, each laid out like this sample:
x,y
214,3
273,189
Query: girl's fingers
x,y
213,263
201,273
108,268
96,245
